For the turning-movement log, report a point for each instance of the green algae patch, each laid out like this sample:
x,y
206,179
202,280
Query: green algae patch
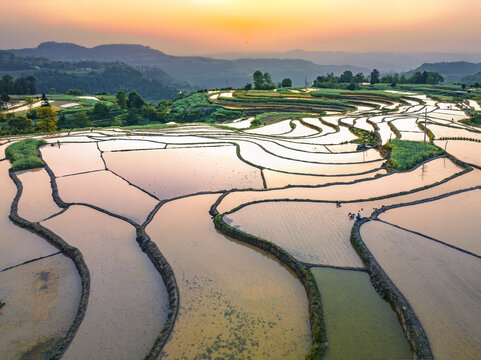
x,y
24,154
407,154
359,324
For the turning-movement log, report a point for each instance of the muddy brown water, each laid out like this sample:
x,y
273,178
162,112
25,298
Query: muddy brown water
x,y
235,302
128,302
41,300
359,324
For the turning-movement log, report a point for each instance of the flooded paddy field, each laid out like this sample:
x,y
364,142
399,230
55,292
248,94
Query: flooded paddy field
x,y
137,211
467,151
123,281
17,245
233,301
312,233
359,324
453,220
441,284
41,300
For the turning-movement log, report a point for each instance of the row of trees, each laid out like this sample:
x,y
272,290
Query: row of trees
x,y
264,82
20,86
347,77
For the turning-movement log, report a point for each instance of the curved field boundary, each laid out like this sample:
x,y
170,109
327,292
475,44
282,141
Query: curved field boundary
x,y
411,325
148,247
70,251
213,210
165,270
394,129
378,212
304,274
376,131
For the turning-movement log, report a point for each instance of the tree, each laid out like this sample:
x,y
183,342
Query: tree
x,y
80,119
374,77
32,114
153,115
48,116
258,80
463,86
386,79
164,105
75,92
31,83
193,115
5,100
351,86
20,123
263,81
359,78
121,98
346,77
247,86
286,82
268,83
62,121
45,102
135,100
132,117
7,85
100,111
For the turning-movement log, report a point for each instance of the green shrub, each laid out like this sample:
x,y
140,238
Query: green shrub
x,y
364,136
407,154
24,154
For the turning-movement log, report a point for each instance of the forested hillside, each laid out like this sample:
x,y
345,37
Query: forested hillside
x,y
93,76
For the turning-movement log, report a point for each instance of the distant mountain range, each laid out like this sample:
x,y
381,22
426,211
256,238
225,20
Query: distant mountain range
x,y
201,71
452,71
383,61
144,68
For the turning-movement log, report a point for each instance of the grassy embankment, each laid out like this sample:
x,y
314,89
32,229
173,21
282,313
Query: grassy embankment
x,y
197,108
407,154
24,154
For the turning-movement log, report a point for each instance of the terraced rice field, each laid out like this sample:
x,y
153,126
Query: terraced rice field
x,y
441,284
200,242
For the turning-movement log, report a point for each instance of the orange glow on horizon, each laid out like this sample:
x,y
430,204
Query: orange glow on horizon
x,y
237,25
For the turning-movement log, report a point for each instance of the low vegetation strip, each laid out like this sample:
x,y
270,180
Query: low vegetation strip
x,y
363,136
406,154
25,155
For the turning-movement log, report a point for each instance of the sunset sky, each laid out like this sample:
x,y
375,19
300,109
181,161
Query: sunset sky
x,y
184,27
